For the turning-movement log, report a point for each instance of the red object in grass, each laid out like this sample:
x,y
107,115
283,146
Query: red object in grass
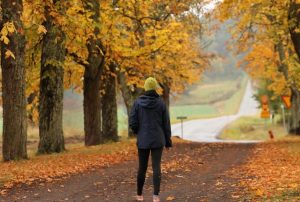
x,y
271,135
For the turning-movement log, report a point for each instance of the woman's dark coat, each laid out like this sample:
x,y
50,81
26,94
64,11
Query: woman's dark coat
x,y
149,119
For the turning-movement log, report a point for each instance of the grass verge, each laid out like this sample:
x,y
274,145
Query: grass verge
x,y
251,128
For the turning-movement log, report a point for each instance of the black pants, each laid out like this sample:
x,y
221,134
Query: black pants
x,y
143,164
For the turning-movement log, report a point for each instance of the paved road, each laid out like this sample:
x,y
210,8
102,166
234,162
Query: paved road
x,y
207,130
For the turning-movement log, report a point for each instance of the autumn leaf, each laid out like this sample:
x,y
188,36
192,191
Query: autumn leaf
x,y
42,29
7,28
170,198
5,39
10,27
3,192
9,54
259,192
218,183
235,196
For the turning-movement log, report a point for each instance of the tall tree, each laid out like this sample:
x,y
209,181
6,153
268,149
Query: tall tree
x,y
109,104
154,47
294,25
92,79
273,24
51,83
13,81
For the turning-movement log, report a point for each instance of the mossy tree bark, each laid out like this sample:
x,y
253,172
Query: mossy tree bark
x,y
109,105
51,88
13,85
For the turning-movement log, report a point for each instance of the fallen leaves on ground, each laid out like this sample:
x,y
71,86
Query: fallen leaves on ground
x,y
170,198
186,161
272,172
180,162
77,159
46,168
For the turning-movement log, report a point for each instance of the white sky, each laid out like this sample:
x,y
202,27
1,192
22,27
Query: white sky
x,y
211,5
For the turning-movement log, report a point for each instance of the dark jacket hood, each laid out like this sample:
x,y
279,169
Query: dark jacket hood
x,y
150,99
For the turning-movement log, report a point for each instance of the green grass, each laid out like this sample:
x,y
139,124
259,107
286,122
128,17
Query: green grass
x,y
291,195
251,128
209,93
230,105
74,123
192,111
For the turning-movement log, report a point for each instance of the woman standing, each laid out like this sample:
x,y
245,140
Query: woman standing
x,y
149,119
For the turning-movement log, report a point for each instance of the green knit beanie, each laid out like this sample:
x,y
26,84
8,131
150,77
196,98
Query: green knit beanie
x,y
150,84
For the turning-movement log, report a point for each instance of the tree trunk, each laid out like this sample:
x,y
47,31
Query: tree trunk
x,y
166,94
92,107
51,89
92,81
13,85
129,94
295,99
109,105
294,18
295,113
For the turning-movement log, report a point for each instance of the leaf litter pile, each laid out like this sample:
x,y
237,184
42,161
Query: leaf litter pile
x,y
272,173
40,169
46,168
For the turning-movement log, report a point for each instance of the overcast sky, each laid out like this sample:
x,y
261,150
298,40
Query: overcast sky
x,y
211,5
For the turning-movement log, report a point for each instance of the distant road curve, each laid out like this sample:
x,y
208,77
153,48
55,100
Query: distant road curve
x,y
207,130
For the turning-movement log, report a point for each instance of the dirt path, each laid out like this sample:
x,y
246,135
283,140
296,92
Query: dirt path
x,y
192,172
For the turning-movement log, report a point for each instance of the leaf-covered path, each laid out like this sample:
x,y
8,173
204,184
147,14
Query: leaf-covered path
x,y
191,172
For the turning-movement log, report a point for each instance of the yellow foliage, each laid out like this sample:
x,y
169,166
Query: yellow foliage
x,y
261,30
144,39
157,38
9,54
8,28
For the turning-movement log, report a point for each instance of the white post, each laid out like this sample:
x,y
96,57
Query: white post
x,y
181,118
283,116
182,128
